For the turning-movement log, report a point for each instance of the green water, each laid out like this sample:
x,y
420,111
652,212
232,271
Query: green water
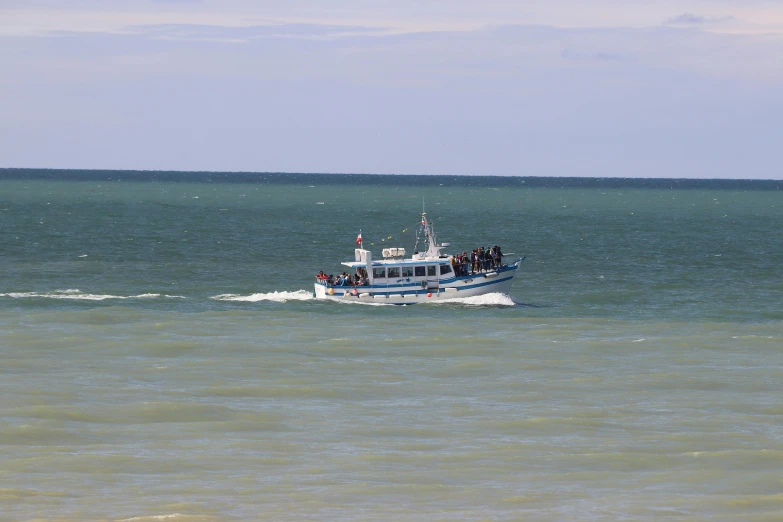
x,y
163,356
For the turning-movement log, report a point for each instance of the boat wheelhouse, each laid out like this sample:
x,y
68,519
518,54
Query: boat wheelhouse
x,y
425,276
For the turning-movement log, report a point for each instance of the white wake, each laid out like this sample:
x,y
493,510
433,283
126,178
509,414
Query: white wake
x,y
278,297
493,299
76,294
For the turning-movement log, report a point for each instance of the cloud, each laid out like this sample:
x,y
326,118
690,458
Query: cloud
x,y
213,33
692,19
42,17
686,18
600,56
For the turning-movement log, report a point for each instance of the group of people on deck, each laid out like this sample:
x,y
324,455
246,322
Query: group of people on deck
x,y
479,260
344,279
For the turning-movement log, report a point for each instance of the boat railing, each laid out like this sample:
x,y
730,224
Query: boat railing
x,y
334,284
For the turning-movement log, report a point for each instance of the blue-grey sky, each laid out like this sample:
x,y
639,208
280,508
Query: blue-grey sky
x,y
637,88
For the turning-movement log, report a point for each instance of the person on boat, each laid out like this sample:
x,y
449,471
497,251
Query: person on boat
x,y
465,261
499,256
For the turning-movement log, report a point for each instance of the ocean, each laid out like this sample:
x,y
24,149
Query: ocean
x,y
163,357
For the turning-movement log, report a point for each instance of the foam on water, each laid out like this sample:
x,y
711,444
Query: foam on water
x,y
76,294
279,297
178,517
493,299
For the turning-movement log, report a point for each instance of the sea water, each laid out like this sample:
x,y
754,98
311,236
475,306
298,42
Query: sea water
x,y
163,356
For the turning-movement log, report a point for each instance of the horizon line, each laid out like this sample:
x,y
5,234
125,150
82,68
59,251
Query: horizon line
x,y
473,179
302,173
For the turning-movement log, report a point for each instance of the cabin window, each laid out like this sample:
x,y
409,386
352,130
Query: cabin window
x,y
394,272
407,271
379,273
431,271
420,272
445,269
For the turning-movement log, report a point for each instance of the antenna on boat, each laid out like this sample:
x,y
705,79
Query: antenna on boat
x,y
420,229
430,243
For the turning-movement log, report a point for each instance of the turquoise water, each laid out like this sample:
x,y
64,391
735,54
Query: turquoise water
x,y
163,356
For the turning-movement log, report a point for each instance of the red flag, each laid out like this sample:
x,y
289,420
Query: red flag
x,y
359,239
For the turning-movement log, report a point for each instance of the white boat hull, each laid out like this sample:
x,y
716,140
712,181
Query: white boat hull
x,y
414,292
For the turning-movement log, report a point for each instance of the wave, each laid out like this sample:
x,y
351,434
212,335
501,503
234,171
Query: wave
x,y
493,299
278,297
178,517
76,294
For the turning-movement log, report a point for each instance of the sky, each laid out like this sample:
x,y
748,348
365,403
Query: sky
x,y
605,88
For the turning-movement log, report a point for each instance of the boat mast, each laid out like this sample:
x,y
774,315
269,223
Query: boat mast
x,y
431,244
433,250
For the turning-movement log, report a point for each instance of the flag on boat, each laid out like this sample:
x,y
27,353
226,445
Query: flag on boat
x,y
359,238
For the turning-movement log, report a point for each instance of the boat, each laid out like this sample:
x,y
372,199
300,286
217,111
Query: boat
x,y
426,276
